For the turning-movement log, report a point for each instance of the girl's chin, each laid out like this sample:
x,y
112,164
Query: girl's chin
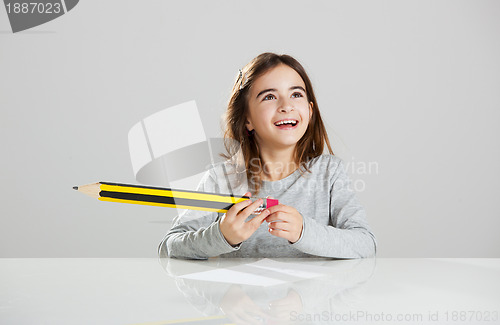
x,y
279,145
279,141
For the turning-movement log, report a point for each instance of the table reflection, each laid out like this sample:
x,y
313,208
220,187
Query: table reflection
x,y
292,291
339,285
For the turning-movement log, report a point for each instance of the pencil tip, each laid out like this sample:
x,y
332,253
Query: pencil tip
x,y
75,188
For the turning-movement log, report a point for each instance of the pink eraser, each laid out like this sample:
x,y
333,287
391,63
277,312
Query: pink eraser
x,y
271,203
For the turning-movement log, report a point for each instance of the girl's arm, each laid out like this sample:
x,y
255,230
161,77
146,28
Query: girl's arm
x,y
196,234
350,235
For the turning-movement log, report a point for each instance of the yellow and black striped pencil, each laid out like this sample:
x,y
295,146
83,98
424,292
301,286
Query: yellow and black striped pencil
x,y
167,197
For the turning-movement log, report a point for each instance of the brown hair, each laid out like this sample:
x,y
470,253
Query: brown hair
x,y
311,145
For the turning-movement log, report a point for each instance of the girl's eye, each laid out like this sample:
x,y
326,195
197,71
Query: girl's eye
x,y
296,95
268,97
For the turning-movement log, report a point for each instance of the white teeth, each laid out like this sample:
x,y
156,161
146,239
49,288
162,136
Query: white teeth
x,y
286,121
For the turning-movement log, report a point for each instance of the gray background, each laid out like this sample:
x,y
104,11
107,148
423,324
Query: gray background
x,y
410,85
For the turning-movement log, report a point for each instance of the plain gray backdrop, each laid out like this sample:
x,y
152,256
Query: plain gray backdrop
x,y
412,86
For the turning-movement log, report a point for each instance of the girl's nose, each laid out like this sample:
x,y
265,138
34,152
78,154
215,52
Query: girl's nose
x,y
285,106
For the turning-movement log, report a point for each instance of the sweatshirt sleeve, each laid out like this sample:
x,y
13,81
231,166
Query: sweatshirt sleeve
x,y
349,236
196,234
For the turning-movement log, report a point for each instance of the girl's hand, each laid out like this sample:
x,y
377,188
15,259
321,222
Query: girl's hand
x,y
233,225
240,308
285,222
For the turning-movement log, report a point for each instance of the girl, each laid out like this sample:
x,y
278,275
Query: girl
x,y
274,118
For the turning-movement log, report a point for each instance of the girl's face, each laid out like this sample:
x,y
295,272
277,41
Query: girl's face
x,y
278,109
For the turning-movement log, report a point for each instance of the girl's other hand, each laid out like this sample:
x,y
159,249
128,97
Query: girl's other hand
x,y
285,222
233,225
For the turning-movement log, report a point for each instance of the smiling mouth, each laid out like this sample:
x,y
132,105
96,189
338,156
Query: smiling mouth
x,y
286,124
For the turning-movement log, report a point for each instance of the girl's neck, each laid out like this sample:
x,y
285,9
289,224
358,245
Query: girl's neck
x,y
277,164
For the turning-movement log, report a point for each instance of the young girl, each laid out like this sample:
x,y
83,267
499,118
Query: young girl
x,y
274,118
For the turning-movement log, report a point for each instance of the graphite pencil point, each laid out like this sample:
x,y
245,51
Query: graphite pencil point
x,y
75,188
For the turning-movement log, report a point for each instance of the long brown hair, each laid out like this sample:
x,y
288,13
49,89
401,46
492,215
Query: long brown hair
x,y
310,146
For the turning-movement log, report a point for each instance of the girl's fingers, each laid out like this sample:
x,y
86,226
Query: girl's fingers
x,y
237,207
280,226
278,216
259,219
250,209
281,207
279,233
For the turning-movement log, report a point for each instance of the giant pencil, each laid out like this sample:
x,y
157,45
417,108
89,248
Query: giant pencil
x,y
167,197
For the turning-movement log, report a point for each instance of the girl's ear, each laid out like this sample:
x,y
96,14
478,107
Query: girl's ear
x,y
311,104
249,125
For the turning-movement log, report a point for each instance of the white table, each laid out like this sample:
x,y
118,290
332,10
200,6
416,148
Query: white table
x,y
314,291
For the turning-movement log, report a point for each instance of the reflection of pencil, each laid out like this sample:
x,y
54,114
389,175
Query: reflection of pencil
x,y
166,197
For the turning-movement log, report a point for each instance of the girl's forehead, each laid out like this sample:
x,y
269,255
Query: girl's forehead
x,y
279,75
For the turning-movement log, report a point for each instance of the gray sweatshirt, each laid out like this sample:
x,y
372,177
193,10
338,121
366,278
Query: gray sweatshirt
x,y
334,221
